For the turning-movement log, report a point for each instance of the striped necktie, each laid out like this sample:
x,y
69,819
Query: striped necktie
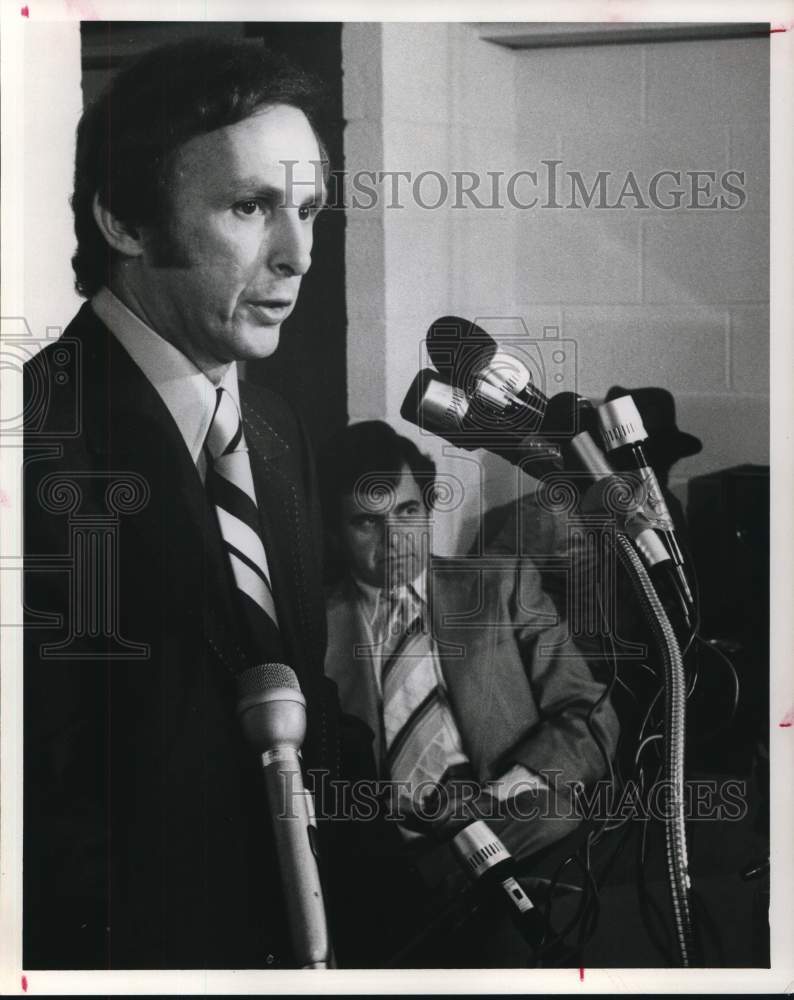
x,y
230,486
422,741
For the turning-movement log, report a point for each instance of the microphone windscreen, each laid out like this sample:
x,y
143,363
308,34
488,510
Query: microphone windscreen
x,y
568,414
453,343
264,677
560,416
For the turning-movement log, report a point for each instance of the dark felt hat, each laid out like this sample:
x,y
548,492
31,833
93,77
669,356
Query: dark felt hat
x,y
666,443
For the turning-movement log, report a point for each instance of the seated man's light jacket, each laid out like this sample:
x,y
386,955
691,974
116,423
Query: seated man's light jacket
x,y
523,697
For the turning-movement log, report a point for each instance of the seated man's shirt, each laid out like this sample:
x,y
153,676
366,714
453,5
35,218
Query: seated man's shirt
x,y
389,626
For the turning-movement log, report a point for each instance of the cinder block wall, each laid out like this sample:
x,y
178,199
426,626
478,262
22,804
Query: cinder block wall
x,y
675,298
421,98
679,297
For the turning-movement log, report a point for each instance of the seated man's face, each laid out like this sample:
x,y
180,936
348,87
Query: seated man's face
x,y
222,273
384,532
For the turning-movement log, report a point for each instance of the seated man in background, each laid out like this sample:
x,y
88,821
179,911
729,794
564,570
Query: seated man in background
x,y
460,668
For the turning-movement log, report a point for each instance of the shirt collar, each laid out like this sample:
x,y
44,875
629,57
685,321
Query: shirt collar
x,y
372,596
186,391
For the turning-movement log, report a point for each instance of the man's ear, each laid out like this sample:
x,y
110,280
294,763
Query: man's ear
x,y
121,237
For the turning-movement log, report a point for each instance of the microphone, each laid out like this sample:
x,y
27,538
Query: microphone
x,y
473,362
639,512
272,712
491,867
623,432
447,411
451,338
470,358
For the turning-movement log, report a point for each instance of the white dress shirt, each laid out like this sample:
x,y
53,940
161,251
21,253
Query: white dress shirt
x,y
186,391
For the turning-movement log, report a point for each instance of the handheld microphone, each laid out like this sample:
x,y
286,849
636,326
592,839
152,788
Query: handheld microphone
x,y
272,712
623,432
489,865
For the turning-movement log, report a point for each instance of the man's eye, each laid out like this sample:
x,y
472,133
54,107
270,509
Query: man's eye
x,y
250,207
365,522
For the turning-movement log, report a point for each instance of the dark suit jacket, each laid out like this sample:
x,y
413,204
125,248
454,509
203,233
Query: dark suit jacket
x,y
519,689
146,841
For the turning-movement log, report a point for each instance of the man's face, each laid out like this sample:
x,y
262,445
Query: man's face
x,y
222,273
386,544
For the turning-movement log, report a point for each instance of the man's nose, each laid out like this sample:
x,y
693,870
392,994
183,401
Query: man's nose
x,y
291,249
394,539
400,536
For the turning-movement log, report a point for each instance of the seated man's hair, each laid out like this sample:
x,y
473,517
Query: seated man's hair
x,y
362,451
127,137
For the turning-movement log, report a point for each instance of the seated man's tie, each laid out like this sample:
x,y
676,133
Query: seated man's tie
x,y
422,743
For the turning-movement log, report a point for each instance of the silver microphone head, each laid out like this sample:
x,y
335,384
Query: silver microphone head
x,y
435,405
271,707
506,374
478,848
621,423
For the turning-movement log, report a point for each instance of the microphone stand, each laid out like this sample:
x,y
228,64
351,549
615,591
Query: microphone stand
x,y
675,719
447,411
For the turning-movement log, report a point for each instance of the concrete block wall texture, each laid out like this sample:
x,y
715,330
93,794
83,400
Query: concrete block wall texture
x,y
444,104
676,298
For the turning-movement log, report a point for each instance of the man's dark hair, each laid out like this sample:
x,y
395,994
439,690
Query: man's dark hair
x,y
370,448
128,136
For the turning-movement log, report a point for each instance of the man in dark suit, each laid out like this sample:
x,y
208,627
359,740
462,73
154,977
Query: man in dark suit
x,y
154,573
494,702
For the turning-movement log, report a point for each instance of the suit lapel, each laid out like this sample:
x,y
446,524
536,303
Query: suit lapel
x,y
464,655
129,428
479,659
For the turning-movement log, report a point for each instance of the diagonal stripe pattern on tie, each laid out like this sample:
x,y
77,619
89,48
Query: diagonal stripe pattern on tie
x,y
231,487
423,744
